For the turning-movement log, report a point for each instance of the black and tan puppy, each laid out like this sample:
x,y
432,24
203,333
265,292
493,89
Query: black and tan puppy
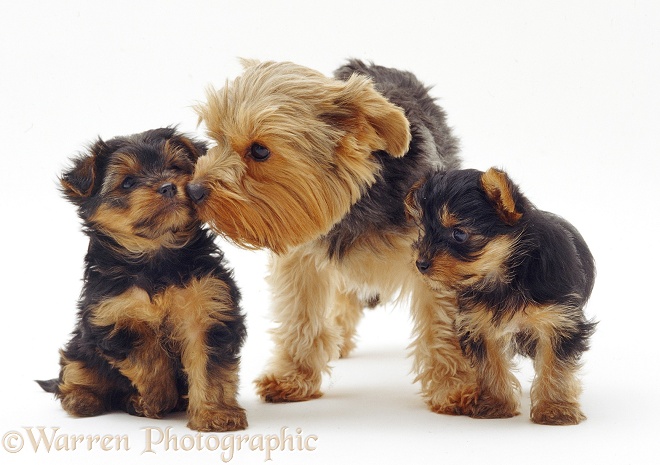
x,y
316,169
159,325
521,278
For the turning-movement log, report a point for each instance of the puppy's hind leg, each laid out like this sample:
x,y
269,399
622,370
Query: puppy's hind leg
x,y
82,390
306,338
556,387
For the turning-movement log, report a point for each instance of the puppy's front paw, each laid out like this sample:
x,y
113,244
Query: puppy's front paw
x,y
232,419
557,413
142,406
459,400
82,403
273,388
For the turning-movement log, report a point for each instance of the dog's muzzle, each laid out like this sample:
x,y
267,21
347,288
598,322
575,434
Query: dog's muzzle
x,y
197,192
423,265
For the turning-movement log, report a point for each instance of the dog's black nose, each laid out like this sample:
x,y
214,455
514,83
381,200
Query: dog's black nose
x,y
196,192
423,265
167,190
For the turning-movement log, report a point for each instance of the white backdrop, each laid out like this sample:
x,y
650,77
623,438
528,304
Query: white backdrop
x,y
562,94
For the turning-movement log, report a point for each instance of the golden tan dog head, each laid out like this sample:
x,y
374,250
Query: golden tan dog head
x,y
293,152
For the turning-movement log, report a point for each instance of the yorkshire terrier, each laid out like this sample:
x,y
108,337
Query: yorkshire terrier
x,y
159,325
316,169
520,278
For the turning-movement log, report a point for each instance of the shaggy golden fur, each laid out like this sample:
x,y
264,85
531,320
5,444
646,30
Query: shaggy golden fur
x,y
316,169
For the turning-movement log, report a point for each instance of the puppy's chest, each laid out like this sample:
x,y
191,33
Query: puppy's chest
x,y
193,304
161,294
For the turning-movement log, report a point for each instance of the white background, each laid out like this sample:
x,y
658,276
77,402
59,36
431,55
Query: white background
x,y
562,94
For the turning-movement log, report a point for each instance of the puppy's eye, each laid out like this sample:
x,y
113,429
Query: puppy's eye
x,y
258,152
179,168
129,182
459,235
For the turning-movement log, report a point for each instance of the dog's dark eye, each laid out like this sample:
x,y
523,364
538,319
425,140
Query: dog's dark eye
x,y
259,153
128,183
179,168
459,235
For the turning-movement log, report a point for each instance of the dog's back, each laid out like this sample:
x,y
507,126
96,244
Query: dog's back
x,y
381,209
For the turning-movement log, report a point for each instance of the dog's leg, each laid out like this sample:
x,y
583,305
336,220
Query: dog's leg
x,y
134,347
560,336
151,371
499,388
556,388
305,337
82,390
347,312
448,381
209,330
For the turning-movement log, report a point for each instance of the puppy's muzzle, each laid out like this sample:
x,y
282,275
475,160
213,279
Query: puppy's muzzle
x,y
167,190
197,192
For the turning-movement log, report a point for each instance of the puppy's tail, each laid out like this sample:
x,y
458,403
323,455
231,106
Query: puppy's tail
x,y
50,385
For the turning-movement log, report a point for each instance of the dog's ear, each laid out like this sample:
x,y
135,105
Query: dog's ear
x,y
78,182
412,207
389,123
502,193
191,147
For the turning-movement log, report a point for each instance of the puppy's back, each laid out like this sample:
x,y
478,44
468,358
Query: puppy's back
x,y
562,261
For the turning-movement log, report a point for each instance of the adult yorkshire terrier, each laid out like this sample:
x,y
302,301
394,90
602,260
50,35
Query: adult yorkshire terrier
x,y
159,326
521,278
316,169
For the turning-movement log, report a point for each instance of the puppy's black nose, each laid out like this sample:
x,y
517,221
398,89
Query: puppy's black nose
x,y
167,190
196,192
423,265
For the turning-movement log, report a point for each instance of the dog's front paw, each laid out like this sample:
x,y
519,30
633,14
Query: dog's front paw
x,y
81,402
489,406
458,400
296,388
346,348
232,419
143,406
557,413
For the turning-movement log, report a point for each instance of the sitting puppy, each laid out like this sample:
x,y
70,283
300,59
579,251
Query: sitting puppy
x,y
521,278
316,169
159,321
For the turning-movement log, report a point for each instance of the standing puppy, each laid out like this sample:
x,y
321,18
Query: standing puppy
x,y
159,325
521,278
316,169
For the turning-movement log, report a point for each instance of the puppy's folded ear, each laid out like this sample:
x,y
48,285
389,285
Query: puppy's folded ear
x,y
78,182
191,147
391,130
502,194
412,207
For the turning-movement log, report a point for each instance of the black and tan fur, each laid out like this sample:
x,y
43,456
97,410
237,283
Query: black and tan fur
x,y
159,326
520,278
